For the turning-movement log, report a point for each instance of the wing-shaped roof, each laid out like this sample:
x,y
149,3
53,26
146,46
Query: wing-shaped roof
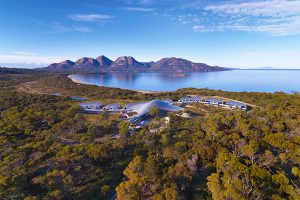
x,y
87,104
236,103
216,100
133,106
143,108
192,98
112,106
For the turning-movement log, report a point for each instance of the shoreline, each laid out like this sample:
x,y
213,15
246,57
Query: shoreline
x,y
75,80
140,91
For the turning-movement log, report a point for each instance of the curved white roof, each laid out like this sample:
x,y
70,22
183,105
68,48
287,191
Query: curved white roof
x,y
236,103
191,98
91,104
143,108
112,106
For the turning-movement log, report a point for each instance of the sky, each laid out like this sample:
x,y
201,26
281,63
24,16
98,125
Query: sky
x,y
227,33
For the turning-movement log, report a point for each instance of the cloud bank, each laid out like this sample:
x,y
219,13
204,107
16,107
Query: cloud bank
x,y
28,58
272,17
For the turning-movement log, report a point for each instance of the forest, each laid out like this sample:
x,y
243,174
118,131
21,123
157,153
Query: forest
x,y
49,149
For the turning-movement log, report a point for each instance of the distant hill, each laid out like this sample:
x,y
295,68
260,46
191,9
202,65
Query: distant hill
x,y
179,64
6,70
129,64
63,66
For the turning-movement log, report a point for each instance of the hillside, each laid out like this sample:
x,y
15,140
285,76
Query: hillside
x,y
128,63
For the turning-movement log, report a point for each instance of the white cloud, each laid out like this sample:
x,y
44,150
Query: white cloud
x,y
271,17
89,17
139,9
258,8
57,27
28,58
277,29
203,29
23,53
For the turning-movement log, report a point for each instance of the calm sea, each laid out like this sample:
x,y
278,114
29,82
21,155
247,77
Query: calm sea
x,y
236,80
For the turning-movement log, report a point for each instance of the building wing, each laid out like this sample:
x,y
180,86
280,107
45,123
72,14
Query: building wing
x,y
144,108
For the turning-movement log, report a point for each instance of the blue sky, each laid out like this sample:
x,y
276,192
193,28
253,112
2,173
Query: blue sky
x,y
237,33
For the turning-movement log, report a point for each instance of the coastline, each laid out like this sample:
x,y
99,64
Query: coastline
x,y
140,91
75,80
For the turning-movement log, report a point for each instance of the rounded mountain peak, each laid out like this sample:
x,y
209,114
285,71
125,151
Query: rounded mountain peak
x,y
127,58
104,61
125,62
86,62
67,62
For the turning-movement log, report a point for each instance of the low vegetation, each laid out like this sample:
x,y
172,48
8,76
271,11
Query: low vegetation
x,y
50,150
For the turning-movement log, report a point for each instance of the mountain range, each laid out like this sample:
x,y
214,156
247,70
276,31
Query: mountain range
x,y
129,64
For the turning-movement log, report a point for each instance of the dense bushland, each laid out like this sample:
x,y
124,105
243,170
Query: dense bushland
x,y
50,150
